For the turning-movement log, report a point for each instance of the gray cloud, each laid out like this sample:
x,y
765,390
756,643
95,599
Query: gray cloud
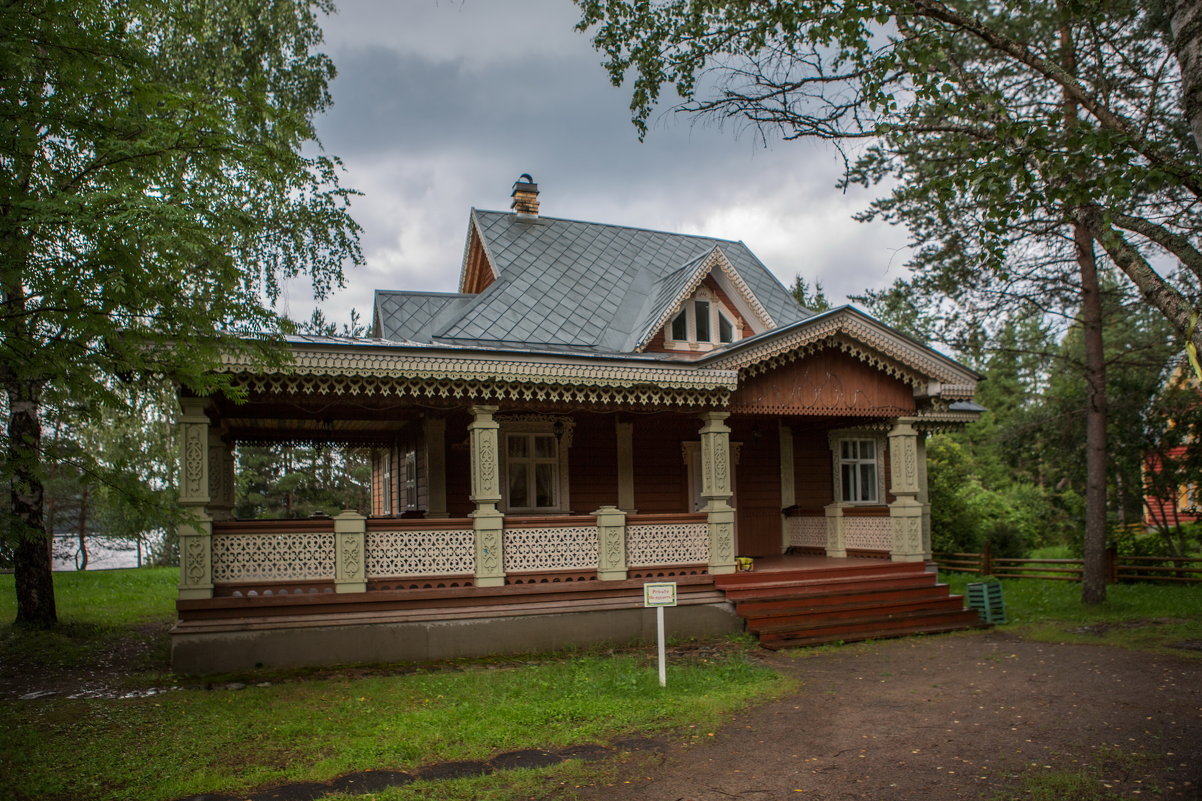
x,y
440,105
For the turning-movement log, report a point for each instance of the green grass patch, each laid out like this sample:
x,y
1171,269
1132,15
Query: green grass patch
x,y
1149,617
99,612
193,741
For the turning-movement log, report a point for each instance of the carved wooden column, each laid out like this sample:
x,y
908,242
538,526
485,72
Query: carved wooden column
x,y
350,552
716,491
836,535
196,532
435,436
905,513
924,496
487,521
611,543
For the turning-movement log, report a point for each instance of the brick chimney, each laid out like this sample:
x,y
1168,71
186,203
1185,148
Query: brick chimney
x,y
525,196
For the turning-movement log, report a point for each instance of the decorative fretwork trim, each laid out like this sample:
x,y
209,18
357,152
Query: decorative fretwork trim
x,y
862,338
569,425
483,392
359,362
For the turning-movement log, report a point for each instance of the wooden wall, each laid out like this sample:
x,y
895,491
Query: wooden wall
x,y
757,486
660,475
593,463
827,383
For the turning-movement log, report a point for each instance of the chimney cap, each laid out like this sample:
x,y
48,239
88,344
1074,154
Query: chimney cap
x,y
524,183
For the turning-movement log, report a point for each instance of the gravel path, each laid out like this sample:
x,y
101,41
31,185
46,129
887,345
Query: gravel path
x,y
953,717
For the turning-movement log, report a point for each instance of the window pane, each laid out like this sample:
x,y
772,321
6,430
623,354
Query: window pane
x,y
847,449
701,308
867,482
544,447
517,445
867,449
849,482
726,331
544,483
680,329
519,494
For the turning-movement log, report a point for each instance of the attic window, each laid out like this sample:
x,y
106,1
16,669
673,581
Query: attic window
x,y
726,329
680,327
703,322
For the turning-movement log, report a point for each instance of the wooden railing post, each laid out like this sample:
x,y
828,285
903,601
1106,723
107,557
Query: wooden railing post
x,y
1112,565
987,559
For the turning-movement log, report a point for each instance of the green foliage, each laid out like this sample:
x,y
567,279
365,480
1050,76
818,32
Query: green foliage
x,y
160,181
815,301
966,512
286,481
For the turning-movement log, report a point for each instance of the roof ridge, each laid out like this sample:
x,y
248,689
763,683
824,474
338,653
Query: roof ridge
x,y
625,227
424,292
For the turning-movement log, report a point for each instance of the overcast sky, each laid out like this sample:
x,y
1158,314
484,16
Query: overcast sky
x,y
440,105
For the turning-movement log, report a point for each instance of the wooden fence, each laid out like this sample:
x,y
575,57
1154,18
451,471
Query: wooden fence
x,y
1118,568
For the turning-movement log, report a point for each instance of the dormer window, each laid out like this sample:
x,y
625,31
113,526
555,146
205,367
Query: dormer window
x,y
702,323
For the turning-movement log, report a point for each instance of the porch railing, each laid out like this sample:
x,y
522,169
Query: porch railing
x,y
351,553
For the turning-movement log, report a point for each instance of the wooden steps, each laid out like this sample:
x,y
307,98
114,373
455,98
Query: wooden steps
x,y
844,603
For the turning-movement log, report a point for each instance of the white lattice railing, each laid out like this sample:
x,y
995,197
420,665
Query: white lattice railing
x,y
669,542
868,533
550,548
806,532
275,556
407,552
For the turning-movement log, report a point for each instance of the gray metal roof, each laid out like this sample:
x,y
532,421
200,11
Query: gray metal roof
x,y
573,284
415,316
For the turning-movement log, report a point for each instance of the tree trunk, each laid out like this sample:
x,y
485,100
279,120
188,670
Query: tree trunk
x,y
81,562
31,545
1093,585
1185,22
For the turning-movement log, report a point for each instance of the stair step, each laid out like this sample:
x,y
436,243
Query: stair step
x,y
790,604
739,581
826,638
804,588
852,614
867,628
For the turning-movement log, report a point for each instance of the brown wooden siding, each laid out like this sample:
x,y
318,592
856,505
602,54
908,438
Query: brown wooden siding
x,y
813,472
459,472
660,477
829,382
479,274
593,463
757,484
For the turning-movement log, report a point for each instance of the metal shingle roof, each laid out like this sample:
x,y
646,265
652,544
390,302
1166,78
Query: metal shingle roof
x,y
582,284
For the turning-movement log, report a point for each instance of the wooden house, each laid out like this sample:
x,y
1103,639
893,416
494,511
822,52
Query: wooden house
x,y
596,407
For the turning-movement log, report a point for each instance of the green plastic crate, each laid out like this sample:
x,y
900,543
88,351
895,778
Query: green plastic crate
x,y
986,598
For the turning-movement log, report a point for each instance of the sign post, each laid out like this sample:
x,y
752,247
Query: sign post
x,y
660,594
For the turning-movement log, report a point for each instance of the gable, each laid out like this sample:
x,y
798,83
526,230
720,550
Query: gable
x,y
478,272
824,383
709,290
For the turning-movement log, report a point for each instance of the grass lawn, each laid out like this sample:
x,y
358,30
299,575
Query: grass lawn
x,y
304,728
1152,617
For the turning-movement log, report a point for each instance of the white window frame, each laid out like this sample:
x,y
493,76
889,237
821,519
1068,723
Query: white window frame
x,y
409,479
563,443
717,310
386,482
877,460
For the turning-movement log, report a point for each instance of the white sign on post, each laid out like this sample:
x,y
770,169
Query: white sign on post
x,y
660,594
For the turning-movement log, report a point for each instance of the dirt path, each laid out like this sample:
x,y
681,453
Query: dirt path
x,y
959,717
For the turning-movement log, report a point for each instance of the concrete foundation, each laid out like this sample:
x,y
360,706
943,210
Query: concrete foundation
x,y
299,644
